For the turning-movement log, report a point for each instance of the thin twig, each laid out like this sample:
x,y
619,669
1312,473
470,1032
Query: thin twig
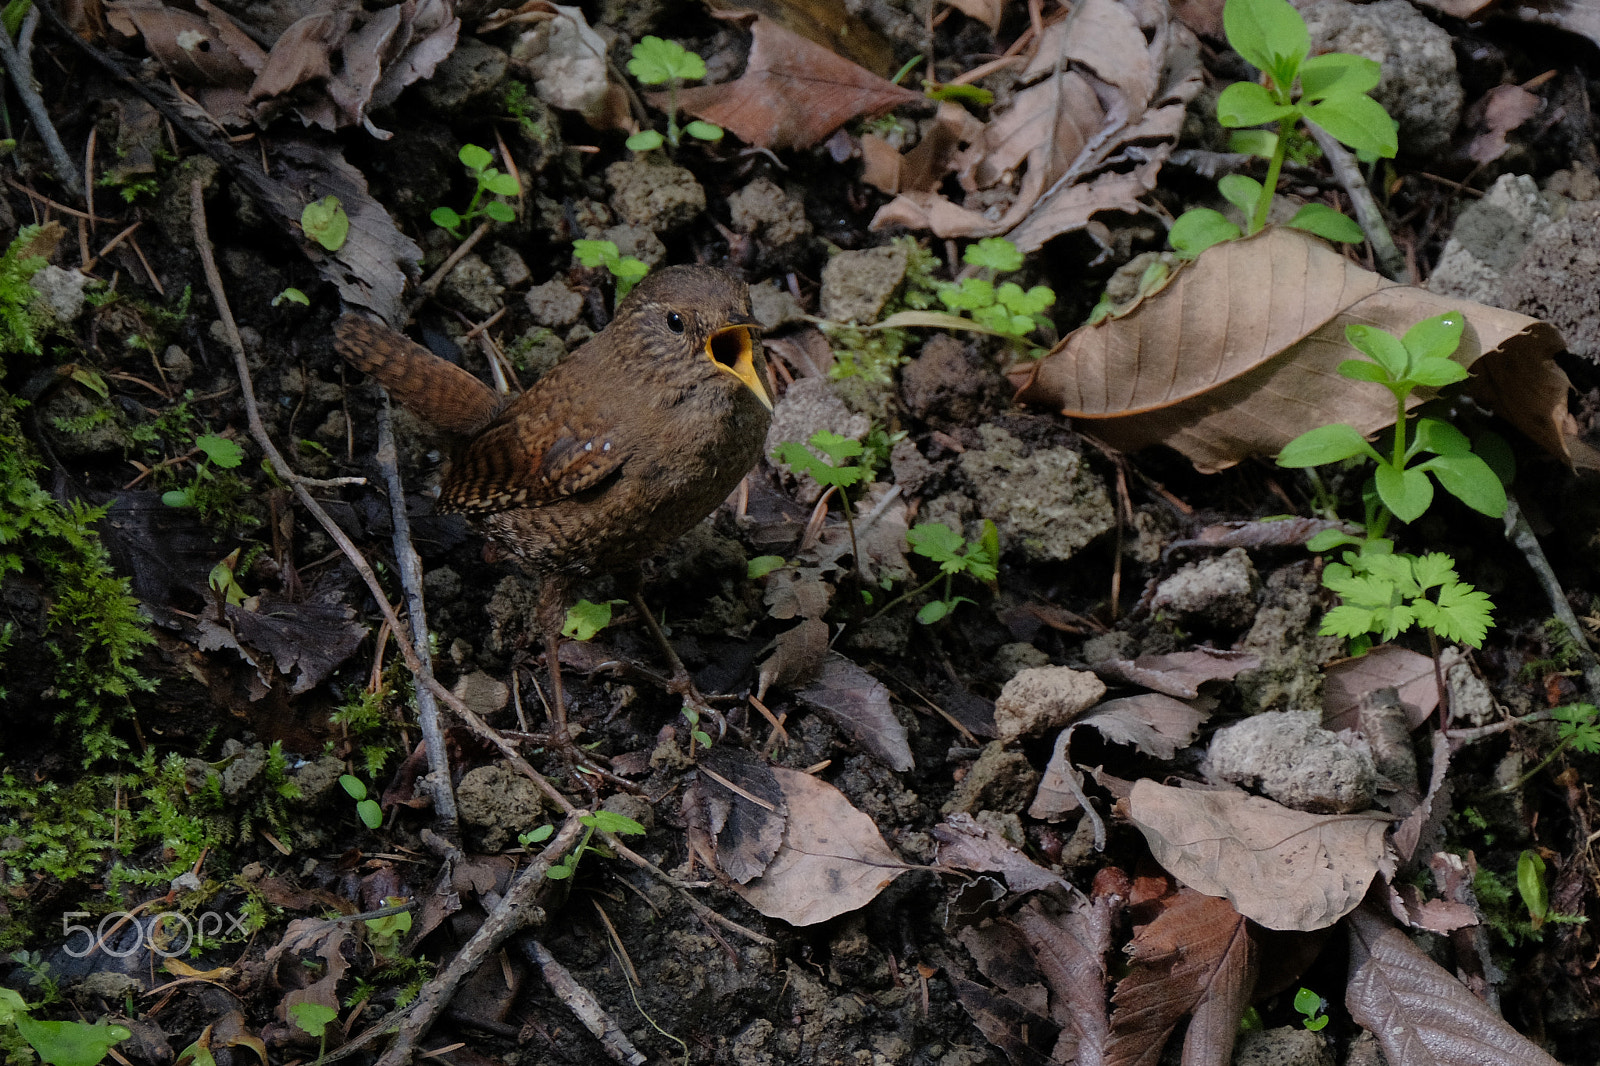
x,y
18,56
583,1004
1519,533
429,287
1391,263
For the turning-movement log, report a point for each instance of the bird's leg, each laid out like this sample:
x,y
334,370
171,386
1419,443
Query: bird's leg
x,y
551,613
681,683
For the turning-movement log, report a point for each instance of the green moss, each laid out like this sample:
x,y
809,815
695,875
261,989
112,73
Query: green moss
x,y
21,319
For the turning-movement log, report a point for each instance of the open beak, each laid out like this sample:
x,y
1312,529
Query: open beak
x,y
733,349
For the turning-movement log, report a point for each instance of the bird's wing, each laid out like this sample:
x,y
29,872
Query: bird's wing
x,y
526,461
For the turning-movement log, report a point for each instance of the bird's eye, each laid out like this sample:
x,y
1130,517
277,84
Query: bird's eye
x,y
674,322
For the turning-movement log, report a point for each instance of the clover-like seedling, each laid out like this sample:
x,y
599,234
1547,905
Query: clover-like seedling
x,y
1007,308
1311,1007
661,62
325,222
1328,91
955,555
625,268
486,179
598,821
835,472
585,619
218,451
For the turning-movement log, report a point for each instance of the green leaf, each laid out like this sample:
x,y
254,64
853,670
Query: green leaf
x,y
645,141
1328,224
178,498
353,785
1575,724
11,1005
996,253
1495,450
220,450
612,822
1337,72
594,253
1469,479
1244,103
704,131
1198,229
628,268
70,1043
835,447
291,295
983,561
1461,613
312,1018
1331,538
1269,34
325,222
937,541
970,94
1407,493
1383,347
1253,142
370,813
1028,303
1308,1003
1435,338
972,294
585,619
1357,121
1326,444
656,61
501,184
1531,886
536,836
1362,370
474,158
762,565
1437,373
934,611
1440,438
499,211
1241,191
445,219
560,871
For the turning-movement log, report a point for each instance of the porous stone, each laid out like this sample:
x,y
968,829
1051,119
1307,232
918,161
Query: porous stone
x,y
482,693
1284,1046
554,304
1219,591
499,802
857,285
60,293
763,210
1292,759
1419,85
946,383
473,282
1044,698
640,242
660,196
1045,501
1557,279
775,306
999,781
1489,238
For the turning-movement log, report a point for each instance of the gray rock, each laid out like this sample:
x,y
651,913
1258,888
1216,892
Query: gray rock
x,y
1046,501
765,211
775,306
660,196
1044,698
1557,279
857,285
1292,759
473,282
1219,591
499,802
554,304
1285,1046
1489,238
60,293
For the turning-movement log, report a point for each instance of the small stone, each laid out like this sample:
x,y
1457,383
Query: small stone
x,y
1046,501
1292,759
775,306
1219,591
482,693
473,283
640,242
474,69
811,405
857,285
61,292
1284,1046
661,196
176,362
947,382
500,802
554,304
1043,698
764,210
1011,659
511,268
1000,781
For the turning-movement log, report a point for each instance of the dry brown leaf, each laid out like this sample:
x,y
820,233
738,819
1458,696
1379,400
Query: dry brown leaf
x,y
737,801
1178,674
792,94
967,845
1070,951
1347,681
832,861
828,23
858,703
302,53
1197,957
1155,724
1238,355
1502,109
1282,868
196,49
1420,1014
1098,108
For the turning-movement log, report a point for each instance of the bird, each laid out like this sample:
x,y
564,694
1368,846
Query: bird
x,y
618,450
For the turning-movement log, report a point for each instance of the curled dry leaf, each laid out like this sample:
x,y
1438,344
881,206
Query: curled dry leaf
x,y
1155,724
792,94
832,860
1238,355
1419,1013
1502,109
1283,868
858,703
1388,665
1096,113
828,23
967,845
1178,674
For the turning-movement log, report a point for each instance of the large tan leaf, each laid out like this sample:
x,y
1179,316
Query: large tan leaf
x,y
1238,355
1283,868
793,92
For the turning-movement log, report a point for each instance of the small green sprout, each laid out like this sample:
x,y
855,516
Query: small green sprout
x,y
384,934
367,810
222,581
598,821
487,179
314,1019
1311,1007
655,62
536,836
1535,892
218,451
291,295
1328,91
835,472
696,734
979,560
585,619
325,222
625,268
1007,308
762,565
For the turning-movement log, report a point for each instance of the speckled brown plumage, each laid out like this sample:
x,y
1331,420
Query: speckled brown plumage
x,y
622,447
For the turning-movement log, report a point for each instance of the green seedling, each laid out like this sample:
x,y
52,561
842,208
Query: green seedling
x,y
223,582
625,268
660,62
762,565
536,836
325,222
979,560
599,821
314,1018
384,934
1311,1007
1328,91
696,734
219,451
1577,728
367,810
1006,309
486,179
835,472
1385,593
69,1043
1534,888
585,619
291,295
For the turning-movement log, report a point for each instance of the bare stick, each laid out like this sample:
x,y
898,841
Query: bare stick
x,y
1519,533
1391,263
18,56
583,1004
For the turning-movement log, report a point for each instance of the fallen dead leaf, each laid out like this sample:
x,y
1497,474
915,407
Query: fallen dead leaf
x,y
967,845
1238,355
742,809
1388,665
1155,724
832,860
1502,109
1280,867
792,94
1178,674
858,703
830,24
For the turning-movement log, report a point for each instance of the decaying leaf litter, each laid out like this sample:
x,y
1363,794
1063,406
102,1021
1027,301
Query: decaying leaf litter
x,y
949,868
